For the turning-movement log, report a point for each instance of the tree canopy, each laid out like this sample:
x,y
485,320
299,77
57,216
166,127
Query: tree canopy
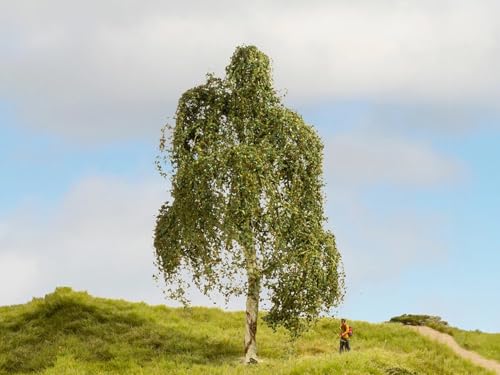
x,y
246,212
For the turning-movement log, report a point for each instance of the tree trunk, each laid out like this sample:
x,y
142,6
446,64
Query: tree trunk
x,y
251,318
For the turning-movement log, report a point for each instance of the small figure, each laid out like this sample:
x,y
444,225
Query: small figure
x,y
345,334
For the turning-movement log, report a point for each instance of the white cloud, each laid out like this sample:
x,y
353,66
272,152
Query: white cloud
x,y
97,70
381,245
99,238
18,276
360,160
381,238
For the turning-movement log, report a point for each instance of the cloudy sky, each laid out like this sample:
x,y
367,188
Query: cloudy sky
x,y
404,93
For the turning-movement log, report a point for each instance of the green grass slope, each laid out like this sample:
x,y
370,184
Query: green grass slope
x,y
73,333
486,344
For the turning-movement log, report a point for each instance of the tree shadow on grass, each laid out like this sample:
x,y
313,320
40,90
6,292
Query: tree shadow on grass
x,y
100,333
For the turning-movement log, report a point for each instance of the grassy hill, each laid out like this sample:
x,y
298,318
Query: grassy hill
x,y
69,332
486,344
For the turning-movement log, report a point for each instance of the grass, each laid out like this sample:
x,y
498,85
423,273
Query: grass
x,y
69,332
486,344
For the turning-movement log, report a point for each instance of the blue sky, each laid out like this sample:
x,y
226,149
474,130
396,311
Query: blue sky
x,y
409,118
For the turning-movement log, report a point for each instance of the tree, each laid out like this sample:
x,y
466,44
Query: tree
x,y
247,206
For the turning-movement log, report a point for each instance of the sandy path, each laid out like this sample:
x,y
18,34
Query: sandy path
x,y
467,354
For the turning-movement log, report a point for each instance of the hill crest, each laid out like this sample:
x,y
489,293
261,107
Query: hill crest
x,y
69,332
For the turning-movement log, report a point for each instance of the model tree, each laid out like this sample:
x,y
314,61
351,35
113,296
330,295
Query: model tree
x,y
246,213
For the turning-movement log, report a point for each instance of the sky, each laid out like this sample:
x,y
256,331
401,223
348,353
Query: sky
x,y
405,95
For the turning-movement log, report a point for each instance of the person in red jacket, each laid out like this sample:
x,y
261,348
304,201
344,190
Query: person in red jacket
x,y
344,336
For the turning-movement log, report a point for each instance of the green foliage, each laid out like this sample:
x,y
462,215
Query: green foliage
x,y
434,322
247,203
73,333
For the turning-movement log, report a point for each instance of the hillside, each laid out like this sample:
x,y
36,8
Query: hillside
x,y
69,332
485,344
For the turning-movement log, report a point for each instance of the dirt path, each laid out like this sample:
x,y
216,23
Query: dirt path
x,y
443,338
